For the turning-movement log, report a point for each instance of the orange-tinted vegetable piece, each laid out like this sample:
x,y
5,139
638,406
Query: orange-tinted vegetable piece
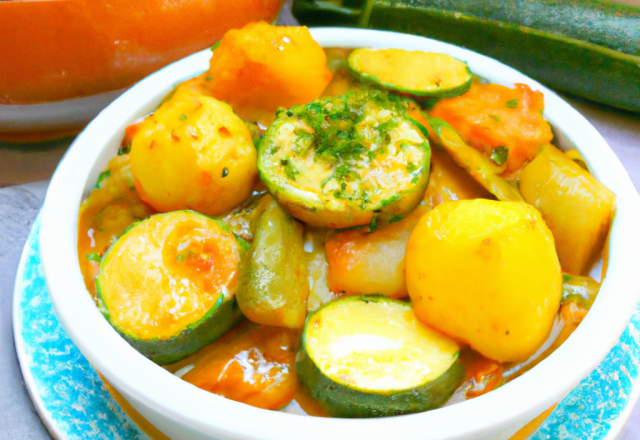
x,y
110,209
483,374
61,49
253,364
448,181
365,263
261,67
576,207
490,116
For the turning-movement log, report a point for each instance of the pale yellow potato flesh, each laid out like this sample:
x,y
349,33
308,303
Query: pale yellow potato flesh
x,y
486,273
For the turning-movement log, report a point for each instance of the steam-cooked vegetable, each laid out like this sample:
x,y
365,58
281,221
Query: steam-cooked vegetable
x,y
273,286
111,208
369,356
252,364
484,171
259,68
168,284
417,73
448,181
505,124
193,153
486,273
576,207
243,219
345,161
362,263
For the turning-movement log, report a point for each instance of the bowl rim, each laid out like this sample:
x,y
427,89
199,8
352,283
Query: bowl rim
x,y
504,410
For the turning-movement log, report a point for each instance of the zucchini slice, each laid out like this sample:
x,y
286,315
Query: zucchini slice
x,y
350,160
369,356
430,74
168,284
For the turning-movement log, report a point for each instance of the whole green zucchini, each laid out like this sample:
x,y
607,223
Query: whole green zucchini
x,y
589,48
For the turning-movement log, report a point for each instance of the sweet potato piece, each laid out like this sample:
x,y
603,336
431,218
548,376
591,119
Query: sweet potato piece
x,y
489,116
261,67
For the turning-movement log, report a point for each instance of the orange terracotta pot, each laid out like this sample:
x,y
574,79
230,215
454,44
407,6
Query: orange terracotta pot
x,y
58,50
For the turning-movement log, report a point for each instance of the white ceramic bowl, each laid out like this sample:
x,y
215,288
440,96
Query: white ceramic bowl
x,y
183,411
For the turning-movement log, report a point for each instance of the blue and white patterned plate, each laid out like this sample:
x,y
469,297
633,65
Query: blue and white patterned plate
x,y
74,403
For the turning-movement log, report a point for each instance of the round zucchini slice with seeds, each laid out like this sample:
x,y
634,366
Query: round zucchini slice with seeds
x,y
168,284
345,161
418,73
369,356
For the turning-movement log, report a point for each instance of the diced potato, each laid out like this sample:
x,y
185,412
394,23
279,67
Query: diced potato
x,y
365,263
486,273
259,68
576,207
193,153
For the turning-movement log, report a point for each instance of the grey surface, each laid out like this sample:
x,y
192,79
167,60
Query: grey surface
x,y
18,418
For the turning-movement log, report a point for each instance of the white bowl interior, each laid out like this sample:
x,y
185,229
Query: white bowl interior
x,y
496,415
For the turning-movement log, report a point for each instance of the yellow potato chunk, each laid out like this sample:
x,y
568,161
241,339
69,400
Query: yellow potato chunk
x,y
193,153
486,273
259,68
577,208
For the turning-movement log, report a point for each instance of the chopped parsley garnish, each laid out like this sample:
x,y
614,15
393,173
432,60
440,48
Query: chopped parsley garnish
x,y
373,224
289,169
94,256
495,117
512,103
345,134
344,173
216,44
183,117
103,175
500,155
225,172
396,219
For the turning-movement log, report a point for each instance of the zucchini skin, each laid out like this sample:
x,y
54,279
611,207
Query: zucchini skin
x,y
607,24
218,320
598,59
439,94
581,68
341,401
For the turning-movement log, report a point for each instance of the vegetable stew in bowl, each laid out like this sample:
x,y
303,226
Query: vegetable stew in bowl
x,y
346,233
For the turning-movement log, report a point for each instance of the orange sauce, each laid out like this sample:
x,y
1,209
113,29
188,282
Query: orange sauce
x,y
104,215
252,364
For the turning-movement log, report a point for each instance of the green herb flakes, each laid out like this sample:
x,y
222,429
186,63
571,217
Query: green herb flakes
x,y
103,175
513,103
500,155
